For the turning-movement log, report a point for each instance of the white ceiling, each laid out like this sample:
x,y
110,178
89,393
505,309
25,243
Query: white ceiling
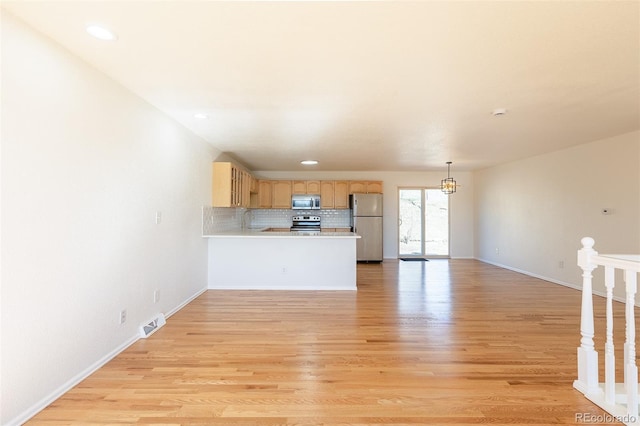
x,y
369,85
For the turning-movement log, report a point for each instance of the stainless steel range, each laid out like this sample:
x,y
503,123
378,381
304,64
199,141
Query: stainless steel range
x,y
306,223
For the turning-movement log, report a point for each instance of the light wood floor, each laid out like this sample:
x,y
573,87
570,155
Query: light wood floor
x,y
439,342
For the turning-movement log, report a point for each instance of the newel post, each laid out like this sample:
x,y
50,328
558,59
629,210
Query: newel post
x,y
587,382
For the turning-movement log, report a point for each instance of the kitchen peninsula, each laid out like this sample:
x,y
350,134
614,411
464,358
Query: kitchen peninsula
x,y
260,260
242,255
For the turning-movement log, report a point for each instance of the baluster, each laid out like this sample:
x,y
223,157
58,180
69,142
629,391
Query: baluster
x,y
587,382
630,368
609,357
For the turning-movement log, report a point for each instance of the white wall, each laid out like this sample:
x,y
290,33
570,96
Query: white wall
x,y
535,211
85,166
461,207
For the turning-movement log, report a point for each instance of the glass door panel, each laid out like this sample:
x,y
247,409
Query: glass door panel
x,y
436,242
410,222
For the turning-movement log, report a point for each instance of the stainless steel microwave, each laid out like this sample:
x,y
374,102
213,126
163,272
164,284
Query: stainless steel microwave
x,y
305,202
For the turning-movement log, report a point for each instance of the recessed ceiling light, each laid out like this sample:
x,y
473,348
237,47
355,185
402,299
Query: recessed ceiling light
x,y
309,162
101,33
499,111
201,116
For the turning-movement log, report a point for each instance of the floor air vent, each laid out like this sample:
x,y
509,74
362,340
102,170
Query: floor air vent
x,y
147,329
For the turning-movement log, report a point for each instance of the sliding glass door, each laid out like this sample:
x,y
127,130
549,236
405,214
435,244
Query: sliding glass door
x,y
423,223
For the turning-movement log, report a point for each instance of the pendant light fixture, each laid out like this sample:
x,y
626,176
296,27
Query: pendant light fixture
x,y
448,185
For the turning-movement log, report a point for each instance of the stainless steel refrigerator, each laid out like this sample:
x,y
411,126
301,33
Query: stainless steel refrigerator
x,y
366,221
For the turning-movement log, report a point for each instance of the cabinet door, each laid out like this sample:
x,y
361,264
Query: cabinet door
x,y
327,194
341,194
264,194
357,187
231,185
236,186
313,187
299,187
281,198
221,185
245,197
374,187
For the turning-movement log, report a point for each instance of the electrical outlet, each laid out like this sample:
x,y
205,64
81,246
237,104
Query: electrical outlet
x,y
123,316
561,264
156,296
158,217
497,250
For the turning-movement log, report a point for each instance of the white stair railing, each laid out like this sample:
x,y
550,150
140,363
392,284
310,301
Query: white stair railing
x,y
618,399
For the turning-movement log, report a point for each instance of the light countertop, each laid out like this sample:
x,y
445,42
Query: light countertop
x,y
262,233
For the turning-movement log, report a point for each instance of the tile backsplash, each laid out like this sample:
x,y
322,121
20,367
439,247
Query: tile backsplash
x,y
221,219
281,218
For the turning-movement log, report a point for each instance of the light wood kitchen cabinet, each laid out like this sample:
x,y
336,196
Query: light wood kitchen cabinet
x,y
327,194
245,188
334,194
281,194
236,187
365,187
299,187
341,194
313,187
357,187
231,185
264,194
305,187
374,187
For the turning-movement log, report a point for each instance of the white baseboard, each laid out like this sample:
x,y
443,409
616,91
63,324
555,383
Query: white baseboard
x,y
75,380
185,303
438,258
552,280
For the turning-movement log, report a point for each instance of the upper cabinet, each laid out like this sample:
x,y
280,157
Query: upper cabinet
x,y
365,187
334,194
374,187
313,187
235,187
341,194
305,187
327,194
264,194
231,185
281,194
299,187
